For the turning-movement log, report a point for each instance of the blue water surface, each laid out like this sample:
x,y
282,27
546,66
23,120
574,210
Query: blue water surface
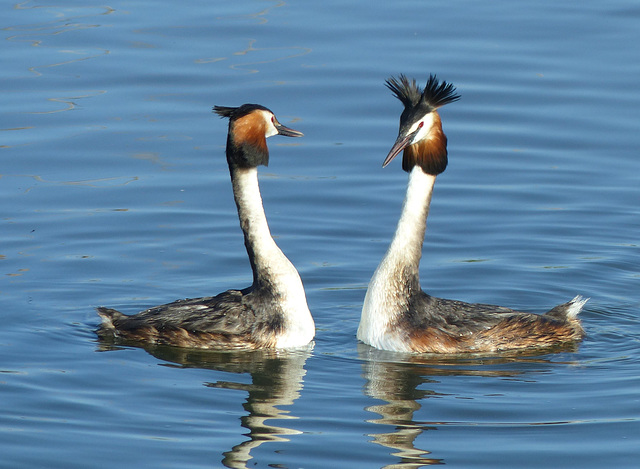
x,y
115,192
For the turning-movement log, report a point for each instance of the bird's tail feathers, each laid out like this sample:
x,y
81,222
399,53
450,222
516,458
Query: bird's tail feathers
x,y
568,310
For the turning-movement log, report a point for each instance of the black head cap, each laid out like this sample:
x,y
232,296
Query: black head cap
x,y
234,113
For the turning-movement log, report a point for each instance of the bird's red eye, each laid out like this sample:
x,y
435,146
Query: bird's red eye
x,y
420,125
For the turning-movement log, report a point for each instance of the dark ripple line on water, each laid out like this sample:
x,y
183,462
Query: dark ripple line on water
x,y
429,425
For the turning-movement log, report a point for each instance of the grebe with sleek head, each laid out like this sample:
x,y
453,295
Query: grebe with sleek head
x,y
397,314
273,311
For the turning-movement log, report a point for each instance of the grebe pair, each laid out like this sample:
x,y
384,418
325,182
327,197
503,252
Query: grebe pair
x,y
397,315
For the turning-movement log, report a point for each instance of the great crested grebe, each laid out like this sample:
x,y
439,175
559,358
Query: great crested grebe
x,y
273,311
397,315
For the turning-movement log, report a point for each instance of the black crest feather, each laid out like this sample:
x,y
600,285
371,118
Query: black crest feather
x,y
435,94
405,90
438,94
224,111
237,112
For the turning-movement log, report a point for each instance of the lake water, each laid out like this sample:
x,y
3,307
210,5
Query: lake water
x,y
115,192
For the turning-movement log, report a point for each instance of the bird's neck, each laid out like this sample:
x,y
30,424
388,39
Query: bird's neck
x,y
397,277
406,247
267,260
275,279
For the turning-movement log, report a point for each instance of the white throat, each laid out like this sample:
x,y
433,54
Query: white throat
x,y
387,295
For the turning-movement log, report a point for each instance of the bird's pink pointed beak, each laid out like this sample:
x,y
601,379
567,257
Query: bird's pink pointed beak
x,y
401,143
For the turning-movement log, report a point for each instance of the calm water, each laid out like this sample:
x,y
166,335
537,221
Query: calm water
x,y
115,192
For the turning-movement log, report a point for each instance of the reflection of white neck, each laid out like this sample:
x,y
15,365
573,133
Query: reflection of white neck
x,y
271,268
387,295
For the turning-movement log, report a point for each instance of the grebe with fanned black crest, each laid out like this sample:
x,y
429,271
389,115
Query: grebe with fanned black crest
x,y
397,315
273,311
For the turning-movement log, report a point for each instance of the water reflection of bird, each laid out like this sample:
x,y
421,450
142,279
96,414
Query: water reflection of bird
x,y
397,314
398,389
404,389
273,311
271,396
277,379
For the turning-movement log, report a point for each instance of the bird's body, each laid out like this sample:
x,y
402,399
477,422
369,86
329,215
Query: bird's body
x,y
397,314
273,311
